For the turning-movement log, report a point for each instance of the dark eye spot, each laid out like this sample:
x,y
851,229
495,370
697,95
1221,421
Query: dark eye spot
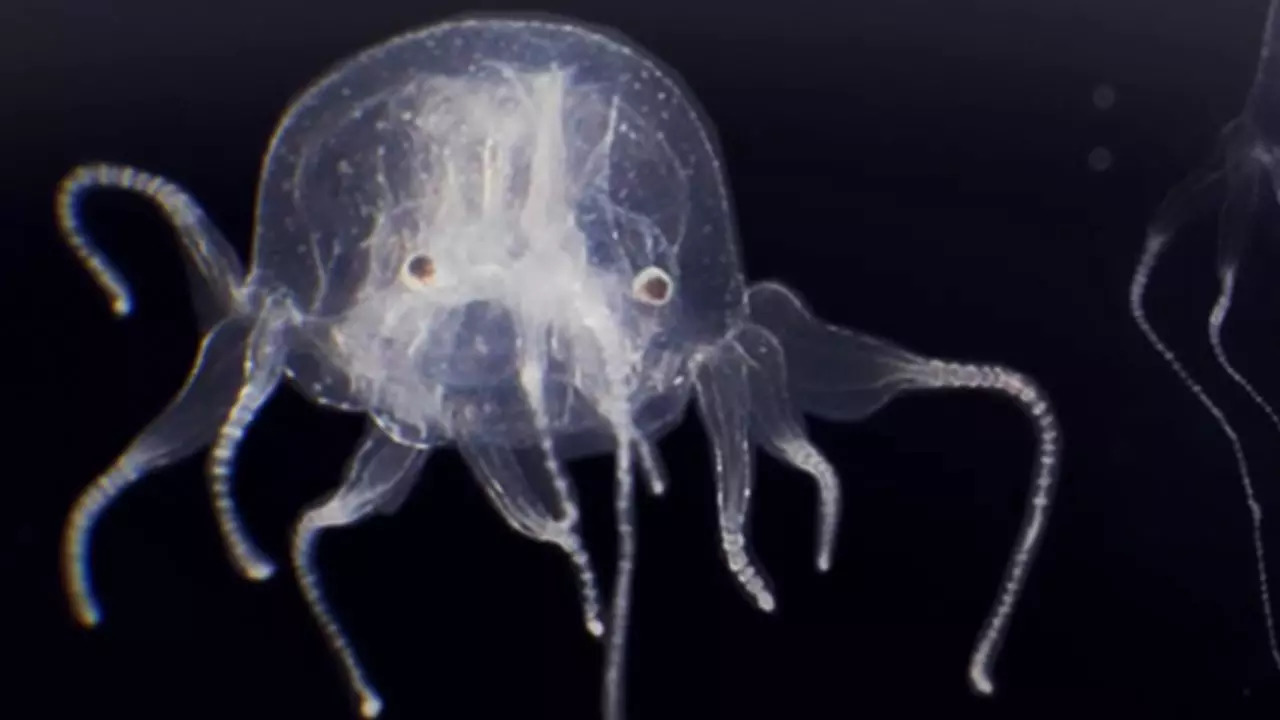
x,y
652,286
657,289
420,268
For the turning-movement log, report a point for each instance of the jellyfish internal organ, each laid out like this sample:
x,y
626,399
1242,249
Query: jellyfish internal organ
x,y
511,237
1245,168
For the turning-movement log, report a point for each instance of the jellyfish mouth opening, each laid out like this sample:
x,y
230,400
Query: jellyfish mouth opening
x,y
475,345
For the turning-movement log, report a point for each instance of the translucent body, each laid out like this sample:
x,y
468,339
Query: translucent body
x,y
512,237
1244,170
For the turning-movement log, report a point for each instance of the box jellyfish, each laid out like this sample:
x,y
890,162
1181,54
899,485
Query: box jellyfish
x,y
511,237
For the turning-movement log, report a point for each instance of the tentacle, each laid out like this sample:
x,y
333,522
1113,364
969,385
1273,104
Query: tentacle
x,y
1216,319
723,390
218,289
614,695
186,426
509,487
939,374
376,474
264,363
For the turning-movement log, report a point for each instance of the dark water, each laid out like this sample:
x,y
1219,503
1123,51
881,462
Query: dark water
x,y
918,169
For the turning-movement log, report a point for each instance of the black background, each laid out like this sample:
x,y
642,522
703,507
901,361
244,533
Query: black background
x,y
916,168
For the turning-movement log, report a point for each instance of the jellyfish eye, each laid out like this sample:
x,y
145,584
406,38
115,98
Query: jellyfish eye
x,y
652,285
419,269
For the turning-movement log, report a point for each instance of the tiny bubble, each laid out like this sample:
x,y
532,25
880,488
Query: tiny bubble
x,y
1104,96
1100,159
